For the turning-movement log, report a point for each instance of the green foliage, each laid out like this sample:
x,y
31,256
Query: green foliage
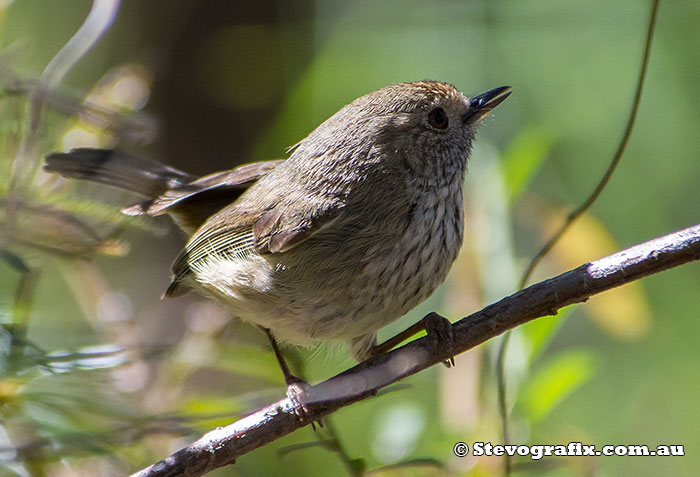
x,y
560,376
523,158
97,372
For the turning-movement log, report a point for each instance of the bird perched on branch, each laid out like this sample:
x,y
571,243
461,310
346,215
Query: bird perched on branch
x,y
358,226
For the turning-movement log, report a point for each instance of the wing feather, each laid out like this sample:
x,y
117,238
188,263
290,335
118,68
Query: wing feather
x,y
231,243
193,203
233,235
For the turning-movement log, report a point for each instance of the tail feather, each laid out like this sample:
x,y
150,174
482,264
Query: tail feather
x,y
119,169
188,200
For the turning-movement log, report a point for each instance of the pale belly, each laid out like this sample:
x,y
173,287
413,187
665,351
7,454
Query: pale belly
x,y
321,291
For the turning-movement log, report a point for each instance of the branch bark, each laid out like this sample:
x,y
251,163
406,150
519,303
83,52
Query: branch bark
x,y
224,445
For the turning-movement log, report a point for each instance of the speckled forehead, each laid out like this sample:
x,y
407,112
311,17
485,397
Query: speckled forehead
x,y
407,97
436,91
440,94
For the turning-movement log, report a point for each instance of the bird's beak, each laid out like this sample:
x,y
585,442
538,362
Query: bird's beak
x,y
481,105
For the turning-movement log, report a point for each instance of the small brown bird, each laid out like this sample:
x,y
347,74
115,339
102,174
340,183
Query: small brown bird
x,y
356,228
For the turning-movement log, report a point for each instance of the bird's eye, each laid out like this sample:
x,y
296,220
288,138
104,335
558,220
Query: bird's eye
x,y
437,118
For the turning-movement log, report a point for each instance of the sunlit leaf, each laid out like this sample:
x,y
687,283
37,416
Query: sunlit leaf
x,y
522,159
555,380
539,333
622,312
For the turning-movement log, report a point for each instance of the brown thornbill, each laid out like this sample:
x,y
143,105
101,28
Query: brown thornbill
x,y
357,227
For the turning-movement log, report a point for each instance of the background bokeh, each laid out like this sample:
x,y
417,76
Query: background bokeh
x,y
101,377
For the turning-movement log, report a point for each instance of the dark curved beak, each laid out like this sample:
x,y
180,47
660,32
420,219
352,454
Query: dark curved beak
x,y
481,105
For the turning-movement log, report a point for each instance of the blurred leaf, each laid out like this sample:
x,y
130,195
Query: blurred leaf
x,y
560,376
413,467
99,211
9,390
48,229
211,412
91,357
523,158
539,333
248,360
622,312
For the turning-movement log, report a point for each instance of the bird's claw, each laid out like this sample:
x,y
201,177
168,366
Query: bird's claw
x,y
441,333
297,393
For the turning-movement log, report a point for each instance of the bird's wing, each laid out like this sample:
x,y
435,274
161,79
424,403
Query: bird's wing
x,y
233,234
193,203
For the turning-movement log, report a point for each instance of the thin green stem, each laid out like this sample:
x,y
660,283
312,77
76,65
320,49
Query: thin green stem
x,y
571,218
576,213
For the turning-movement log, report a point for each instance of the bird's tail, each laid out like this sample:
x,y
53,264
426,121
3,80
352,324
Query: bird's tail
x,y
119,169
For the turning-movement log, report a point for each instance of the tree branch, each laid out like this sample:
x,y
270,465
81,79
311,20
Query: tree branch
x,y
224,445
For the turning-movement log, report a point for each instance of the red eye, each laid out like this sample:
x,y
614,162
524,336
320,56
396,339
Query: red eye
x,y
438,118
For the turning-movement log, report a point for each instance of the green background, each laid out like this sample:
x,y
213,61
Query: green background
x,y
232,82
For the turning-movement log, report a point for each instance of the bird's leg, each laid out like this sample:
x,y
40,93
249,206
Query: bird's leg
x,y
296,387
288,376
439,330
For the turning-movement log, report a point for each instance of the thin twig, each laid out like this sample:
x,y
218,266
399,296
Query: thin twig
x,y
502,397
575,214
136,126
224,445
351,465
570,219
95,25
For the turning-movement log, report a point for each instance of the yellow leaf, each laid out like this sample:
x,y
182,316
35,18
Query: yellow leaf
x,y
622,312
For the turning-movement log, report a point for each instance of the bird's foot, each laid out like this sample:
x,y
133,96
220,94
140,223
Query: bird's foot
x,y
441,333
298,393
